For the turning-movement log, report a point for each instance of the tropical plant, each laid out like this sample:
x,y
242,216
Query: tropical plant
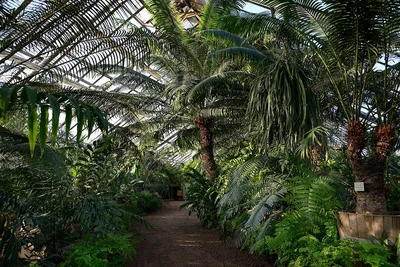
x,y
38,126
45,204
252,198
27,198
57,42
310,217
353,41
104,180
201,198
112,250
208,93
68,35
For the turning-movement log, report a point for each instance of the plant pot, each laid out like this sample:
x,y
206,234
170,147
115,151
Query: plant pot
x,y
362,226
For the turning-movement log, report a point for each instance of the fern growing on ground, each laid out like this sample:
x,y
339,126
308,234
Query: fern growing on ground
x,y
310,217
306,234
252,198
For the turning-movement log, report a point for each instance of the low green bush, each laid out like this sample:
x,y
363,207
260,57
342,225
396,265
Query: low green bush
x,y
144,202
336,253
112,250
306,234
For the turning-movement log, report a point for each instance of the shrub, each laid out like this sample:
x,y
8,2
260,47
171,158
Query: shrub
x,y
144,202
112,250
306,234
201,197
341,253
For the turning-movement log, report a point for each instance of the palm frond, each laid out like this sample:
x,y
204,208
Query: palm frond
x,y
214,9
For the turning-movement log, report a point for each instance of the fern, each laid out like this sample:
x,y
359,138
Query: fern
x,y
309,220
253,194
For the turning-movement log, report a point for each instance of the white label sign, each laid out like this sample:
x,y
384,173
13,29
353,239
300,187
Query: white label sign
x,y
359,186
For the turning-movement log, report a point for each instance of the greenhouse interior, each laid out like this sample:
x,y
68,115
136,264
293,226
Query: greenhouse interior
x,y
182,133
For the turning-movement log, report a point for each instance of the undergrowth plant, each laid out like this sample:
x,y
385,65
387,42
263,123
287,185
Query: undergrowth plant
x,y
309,218
201,198
252,198
144,202
306,233
53,201
111,250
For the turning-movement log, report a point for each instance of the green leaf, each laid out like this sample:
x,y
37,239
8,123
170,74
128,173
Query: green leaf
x,y
68,119
29,96
89,118
55,107
397,247
79,116
101,120
32,128
6,99
43,128
222,35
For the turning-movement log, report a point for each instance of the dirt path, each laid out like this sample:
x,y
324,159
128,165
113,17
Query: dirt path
x,y
178,240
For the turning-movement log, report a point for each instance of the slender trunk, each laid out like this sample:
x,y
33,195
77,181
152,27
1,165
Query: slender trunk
x,y
370,170
206,142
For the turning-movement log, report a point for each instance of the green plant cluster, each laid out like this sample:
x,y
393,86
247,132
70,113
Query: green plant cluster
x,y
201,198
111,250
281,209
70,192
312,252
144,202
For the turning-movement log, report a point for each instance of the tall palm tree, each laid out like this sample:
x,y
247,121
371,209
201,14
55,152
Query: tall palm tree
x,y
353,41
214,76
198,83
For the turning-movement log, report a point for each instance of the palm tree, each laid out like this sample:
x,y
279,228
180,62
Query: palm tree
x,y
198,83
215,76
353,41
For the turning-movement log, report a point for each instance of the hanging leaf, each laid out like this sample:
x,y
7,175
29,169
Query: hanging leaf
x,y
32,128
68,119
102,122
43,127
55,108
6,99
79,116
89,119
29,96
79,126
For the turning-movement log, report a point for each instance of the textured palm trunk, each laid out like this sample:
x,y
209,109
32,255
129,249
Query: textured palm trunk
x,y
370,170
207,149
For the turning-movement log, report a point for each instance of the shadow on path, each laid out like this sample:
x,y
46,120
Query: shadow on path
x,y
179,240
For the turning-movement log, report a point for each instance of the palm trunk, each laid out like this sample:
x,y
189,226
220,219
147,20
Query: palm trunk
x,y
206,142
370,170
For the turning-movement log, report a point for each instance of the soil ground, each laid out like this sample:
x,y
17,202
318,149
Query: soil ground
x,y
179,240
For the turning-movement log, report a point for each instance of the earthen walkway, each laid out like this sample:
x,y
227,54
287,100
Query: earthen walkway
x,y
179,240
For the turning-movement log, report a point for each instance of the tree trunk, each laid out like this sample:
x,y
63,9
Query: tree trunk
x,y
206,142
370,170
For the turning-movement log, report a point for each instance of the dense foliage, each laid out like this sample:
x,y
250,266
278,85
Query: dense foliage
x,y
279,113
84,190
112,250
282,210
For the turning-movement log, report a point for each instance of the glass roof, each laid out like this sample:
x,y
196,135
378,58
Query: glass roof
x,y
33,59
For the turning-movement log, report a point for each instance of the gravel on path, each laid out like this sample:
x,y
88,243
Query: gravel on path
x,y
179,240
